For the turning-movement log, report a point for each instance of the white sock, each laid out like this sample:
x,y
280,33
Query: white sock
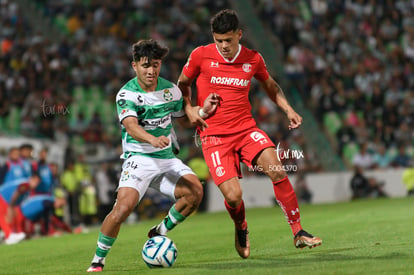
x,y
97,259
162,229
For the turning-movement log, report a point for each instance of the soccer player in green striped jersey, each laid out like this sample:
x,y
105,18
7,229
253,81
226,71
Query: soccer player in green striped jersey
x,y
146,105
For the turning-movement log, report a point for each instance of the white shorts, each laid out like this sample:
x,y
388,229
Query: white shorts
x,y
141,172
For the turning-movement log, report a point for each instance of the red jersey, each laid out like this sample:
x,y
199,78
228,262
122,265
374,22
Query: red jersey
x,y
231,80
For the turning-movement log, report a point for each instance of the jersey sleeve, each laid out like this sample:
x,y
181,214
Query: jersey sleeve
x,y
178,114
126,104
179,107
191,69
261,73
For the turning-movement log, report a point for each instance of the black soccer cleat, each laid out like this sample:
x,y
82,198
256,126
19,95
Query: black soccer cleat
x,y
153,232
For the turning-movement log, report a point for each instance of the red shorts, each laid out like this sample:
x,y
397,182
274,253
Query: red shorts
x,y
223,153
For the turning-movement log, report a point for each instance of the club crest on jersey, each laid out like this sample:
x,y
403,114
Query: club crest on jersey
x,y
247,67
214,64
168,96
220,171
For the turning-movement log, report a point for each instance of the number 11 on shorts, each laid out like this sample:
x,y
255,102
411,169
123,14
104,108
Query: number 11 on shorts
x,y
216,158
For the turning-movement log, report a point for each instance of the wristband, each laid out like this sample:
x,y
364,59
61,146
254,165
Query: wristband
x,y
202,114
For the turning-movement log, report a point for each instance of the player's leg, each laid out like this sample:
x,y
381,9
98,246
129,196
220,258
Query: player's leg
x,y
4,225
137,173
234,203
47,212
10,236
126,201
285,196
223,162
188,193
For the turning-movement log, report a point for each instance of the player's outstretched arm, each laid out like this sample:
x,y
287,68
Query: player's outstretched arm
x,y
138,133
210,104
276,94
20,191
192,112
208,109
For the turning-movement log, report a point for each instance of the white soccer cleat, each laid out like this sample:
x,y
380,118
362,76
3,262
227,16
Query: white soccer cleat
x,y
15,238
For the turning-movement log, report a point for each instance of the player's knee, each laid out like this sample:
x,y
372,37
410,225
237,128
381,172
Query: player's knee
x,y
275,175
121,212
199,193
234,199
191,190
195,194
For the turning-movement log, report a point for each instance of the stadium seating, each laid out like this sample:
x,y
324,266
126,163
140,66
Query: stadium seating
x,y
349,151
332,122
332,43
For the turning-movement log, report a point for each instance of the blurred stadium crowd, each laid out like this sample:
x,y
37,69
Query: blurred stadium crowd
x,y
351,61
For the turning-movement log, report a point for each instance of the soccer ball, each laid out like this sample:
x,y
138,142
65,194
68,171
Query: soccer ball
x,y
159,251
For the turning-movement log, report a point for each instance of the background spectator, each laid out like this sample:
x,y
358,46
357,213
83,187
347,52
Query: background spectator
x,y
408,180
363,158
355,57
364,187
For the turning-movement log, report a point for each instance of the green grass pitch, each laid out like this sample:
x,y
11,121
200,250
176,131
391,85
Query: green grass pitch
x,y
360,237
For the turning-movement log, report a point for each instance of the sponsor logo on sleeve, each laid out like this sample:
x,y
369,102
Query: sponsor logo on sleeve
x,y
121,102
258,137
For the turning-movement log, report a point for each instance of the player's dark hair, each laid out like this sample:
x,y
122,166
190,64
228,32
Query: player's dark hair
x,y
224,21
148,48
26,146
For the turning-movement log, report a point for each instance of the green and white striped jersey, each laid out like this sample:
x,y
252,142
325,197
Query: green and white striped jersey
x,y
154,111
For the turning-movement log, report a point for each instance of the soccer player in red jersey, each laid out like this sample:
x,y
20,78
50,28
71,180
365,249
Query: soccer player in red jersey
x,y
228,131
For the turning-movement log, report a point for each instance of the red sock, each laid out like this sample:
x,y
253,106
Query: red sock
x,y
286,198
238,214
5,227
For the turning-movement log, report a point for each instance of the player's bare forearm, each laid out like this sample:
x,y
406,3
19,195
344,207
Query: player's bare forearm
x,y
184,83
281,100
275,93
139,134
184,122
208,108
192,112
